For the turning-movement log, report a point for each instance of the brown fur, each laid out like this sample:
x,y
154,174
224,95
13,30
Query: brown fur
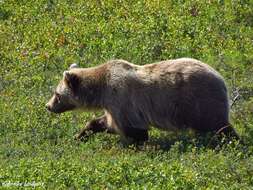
x,y
173,94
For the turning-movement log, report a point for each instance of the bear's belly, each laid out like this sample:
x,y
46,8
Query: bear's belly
x,y
165,125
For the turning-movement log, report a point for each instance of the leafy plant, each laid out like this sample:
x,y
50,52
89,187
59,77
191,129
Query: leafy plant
x,y
40,39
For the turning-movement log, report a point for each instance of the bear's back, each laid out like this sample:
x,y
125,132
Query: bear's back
x,y
168,73
186,67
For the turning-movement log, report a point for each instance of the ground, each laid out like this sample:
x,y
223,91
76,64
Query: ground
x,y
40,39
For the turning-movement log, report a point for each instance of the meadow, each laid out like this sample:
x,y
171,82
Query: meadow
x,y
40,39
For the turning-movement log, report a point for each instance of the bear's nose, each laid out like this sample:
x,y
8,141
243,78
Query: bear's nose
x,y
48,107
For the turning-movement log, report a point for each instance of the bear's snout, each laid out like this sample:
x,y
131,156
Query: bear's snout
x,y
48,107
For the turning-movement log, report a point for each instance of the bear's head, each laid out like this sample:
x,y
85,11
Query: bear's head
x,y
64,97
80,88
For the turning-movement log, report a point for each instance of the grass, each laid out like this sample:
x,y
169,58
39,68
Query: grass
x,y
40,39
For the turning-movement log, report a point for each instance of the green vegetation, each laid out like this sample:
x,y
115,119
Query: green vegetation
x,y
40,39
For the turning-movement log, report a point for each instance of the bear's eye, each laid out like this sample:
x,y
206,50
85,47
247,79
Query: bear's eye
x,y
58,96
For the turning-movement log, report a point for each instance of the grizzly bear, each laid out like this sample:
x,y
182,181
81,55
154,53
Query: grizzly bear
x,y
173,94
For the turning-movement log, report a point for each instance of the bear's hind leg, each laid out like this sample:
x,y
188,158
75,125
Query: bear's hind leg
x,y
228,132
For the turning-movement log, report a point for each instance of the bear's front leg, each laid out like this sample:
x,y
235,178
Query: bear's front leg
x,y
95,126
135,135
132,127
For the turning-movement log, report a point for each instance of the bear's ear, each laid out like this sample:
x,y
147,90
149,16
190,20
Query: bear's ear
x,y
72,66
71,79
